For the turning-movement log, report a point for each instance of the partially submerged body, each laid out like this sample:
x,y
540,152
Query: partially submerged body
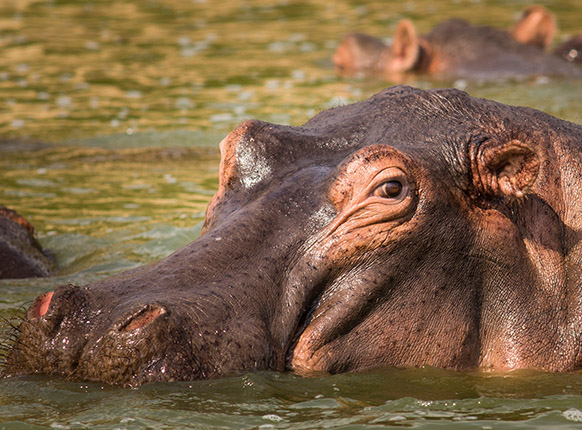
x,y
457,49
20,254
413,228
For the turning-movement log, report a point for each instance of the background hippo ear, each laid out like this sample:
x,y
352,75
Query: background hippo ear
x,y
405,49
508,169
537,26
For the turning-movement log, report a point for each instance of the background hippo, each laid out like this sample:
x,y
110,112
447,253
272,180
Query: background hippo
x,y
456,48
21,256
416,227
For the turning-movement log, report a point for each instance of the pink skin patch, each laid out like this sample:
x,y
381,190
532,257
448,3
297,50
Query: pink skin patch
x,y
42,304
144,318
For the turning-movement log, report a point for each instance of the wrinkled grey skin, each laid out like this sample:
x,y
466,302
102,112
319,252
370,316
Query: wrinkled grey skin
x,y
21,256
481,52
416,227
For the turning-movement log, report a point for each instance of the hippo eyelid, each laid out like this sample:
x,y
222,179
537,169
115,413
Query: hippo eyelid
x,y
388,209
385,176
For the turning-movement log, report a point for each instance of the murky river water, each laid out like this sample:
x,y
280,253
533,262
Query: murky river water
x,y
114,110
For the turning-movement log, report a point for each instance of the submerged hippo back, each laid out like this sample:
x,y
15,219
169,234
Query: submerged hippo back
x,y
487,53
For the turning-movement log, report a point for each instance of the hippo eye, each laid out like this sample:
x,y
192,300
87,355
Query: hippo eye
x,y
389,190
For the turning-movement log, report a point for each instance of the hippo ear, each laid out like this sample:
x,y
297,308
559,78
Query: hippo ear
x,y
537,26
508,169
242,163
405,49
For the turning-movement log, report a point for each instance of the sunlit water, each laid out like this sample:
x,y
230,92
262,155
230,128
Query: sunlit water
x,y
115,109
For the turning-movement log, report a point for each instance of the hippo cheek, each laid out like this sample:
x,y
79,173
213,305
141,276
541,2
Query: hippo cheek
x,y
375,197
343,309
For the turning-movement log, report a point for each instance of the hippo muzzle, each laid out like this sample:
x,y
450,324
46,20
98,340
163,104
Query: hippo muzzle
x,y
414,228
213,308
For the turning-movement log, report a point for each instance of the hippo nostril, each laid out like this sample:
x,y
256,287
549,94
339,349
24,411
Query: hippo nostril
x,y
41,305
143,318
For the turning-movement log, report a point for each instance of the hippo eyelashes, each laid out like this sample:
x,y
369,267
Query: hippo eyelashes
x,y
376,172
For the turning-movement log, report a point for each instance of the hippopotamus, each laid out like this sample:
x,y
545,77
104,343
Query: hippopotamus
x,y
412,228
458,49
21,256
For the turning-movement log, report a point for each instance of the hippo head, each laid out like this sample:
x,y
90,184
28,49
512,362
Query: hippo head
x,y
413,228
360,52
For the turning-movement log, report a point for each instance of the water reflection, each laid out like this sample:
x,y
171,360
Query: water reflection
x,y
131,66
104,210
134,96
273,400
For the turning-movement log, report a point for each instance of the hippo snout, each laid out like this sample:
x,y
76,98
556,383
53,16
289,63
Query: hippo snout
x,y
128,344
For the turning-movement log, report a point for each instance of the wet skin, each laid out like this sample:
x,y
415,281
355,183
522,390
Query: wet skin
x,y
20,254
457,49
413,228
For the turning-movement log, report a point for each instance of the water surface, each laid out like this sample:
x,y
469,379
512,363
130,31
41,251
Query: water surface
x,y
110,115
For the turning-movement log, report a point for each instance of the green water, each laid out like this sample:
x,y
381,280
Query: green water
x,y
113,111
424,398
